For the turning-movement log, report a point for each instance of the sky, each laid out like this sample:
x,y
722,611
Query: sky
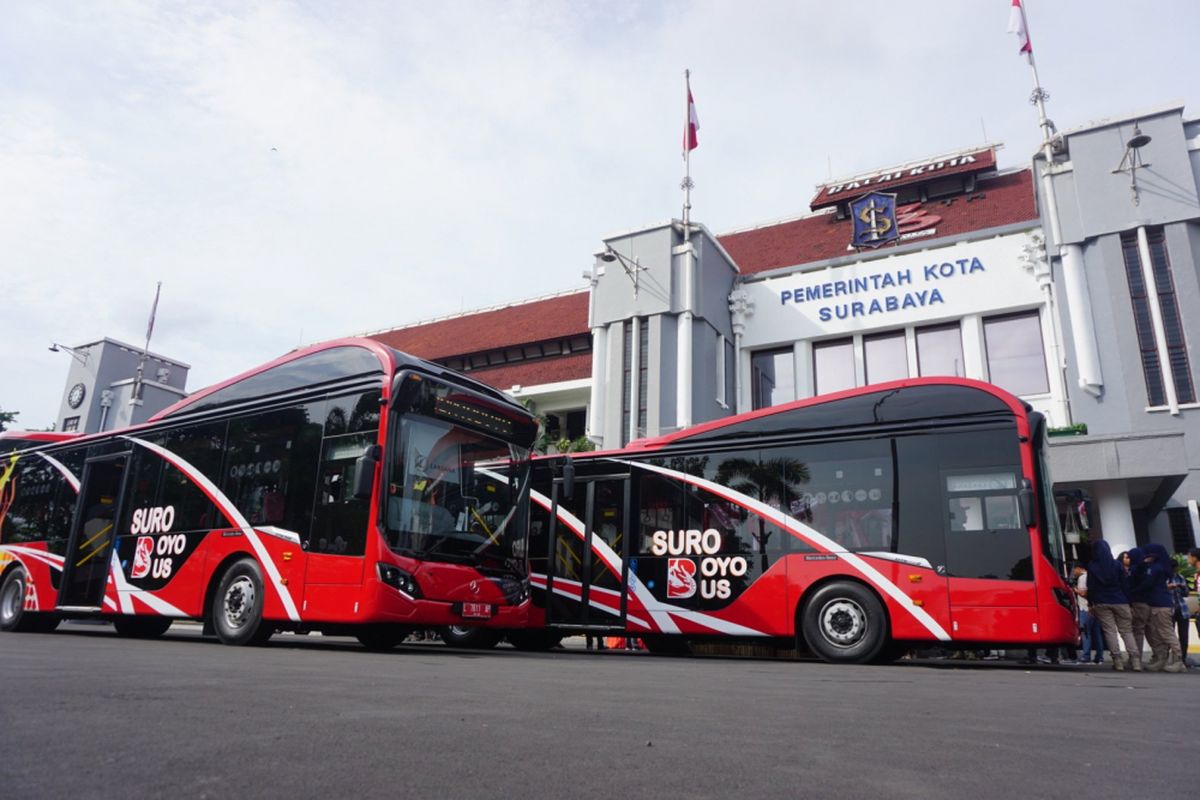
x,y
299,171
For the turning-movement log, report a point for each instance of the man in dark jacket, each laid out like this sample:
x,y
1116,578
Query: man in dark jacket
x,y
1160,629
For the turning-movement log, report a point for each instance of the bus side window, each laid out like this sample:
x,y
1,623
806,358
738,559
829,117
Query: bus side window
x,y
340,519
28,496
202,446
64,502
271,466
979,478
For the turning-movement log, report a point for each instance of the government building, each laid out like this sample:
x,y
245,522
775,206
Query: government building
x,y
1073,284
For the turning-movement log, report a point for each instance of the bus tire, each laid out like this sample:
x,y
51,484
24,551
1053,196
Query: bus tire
x,y
13,616
381,637
844,622
534,641
142,627
475,638
237,605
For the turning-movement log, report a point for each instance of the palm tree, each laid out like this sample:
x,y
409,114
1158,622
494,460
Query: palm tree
x,y
765,480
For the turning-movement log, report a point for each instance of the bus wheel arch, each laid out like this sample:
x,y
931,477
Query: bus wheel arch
x,y
234,602
843,620
13,616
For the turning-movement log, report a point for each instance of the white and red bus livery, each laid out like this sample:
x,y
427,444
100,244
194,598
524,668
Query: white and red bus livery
x,y
857,524
345,487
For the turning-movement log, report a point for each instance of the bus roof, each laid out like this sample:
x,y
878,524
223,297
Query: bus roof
x,y
317,364
19,440
924,398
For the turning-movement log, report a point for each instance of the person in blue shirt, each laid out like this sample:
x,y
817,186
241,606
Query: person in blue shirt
x,y
1160,629
1137,589
1107,599
1179,590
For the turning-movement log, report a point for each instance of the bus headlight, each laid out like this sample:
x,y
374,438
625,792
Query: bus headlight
x,y
399,580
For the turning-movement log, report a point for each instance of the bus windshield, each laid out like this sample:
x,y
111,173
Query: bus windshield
x,y
450,497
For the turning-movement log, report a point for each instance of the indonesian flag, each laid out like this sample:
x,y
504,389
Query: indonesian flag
x,y
690,142
1016,24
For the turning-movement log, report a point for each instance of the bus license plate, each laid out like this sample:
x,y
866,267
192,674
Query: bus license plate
x,y
477,610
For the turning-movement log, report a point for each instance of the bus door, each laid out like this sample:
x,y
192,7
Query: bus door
x,y
586,584
93,532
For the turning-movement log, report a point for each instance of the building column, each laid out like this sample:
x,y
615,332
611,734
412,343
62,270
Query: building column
x,y
595,420
741,307
1116,515
1083,327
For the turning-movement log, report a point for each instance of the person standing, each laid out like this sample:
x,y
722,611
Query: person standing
x,y
1089,626
1138,590
1179,591
1194,562
1107,599
1160,629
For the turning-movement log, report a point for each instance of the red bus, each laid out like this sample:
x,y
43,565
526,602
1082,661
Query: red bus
x,y
344,488
856,525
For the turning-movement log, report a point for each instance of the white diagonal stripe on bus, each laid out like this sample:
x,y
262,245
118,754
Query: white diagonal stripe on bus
x,y
233,515
62,468
810,535
661,618
126,590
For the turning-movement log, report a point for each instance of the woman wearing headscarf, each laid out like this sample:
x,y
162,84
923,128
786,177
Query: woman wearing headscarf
x,y
1160,630
1109,602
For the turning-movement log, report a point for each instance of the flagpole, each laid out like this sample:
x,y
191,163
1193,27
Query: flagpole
x,y
687,184
136,396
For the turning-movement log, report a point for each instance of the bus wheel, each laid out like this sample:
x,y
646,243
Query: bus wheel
x,y
477,638
845,623
381,638
13,616
142,627
237,605
534,641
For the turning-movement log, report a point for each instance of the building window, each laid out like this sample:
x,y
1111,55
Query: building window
x,y
939,350
1015,357
833,366
1181,371
772,377
626,379
1178,365
1183,538
643,386
70,424
886,355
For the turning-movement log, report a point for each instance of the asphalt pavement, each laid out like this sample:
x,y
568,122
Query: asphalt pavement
x,y
86,714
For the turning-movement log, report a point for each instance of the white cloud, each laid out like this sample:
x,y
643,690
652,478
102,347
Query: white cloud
x,y
294,172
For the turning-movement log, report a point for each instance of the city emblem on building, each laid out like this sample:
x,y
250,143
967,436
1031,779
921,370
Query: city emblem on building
x,y
874,218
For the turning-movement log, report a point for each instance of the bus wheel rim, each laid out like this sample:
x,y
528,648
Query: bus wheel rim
x,y
843,622
239,601
10,603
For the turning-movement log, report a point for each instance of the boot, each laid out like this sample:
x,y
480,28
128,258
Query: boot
x,y
1136,661
1157,663
1117,662
1174,663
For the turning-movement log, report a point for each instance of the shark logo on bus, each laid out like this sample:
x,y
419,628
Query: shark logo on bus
x,y
681,578
142,557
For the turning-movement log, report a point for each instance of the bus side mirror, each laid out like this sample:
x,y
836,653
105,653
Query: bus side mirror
x,y
364,472
568,484
1025,504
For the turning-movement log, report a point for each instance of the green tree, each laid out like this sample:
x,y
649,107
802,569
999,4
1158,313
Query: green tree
x,y
7,418
770,480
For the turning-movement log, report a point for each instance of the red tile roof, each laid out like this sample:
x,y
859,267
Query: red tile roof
x,y
521,323
996,201
533,373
